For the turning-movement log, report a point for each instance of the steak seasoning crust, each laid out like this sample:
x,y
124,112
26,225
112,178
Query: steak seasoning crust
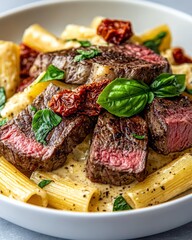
x,y
118,151
126,60
19,146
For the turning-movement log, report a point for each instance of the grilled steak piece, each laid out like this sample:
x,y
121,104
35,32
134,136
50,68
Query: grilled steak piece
x,y
128,60
170,124
117,155
19,146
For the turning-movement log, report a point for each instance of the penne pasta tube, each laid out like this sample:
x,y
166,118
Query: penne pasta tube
x,y
63,193
78,32
96,21
15,105
41,40
81,33
166,43
16,185
162,185
9,67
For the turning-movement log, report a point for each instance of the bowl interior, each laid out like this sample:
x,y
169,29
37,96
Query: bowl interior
x,y
54,16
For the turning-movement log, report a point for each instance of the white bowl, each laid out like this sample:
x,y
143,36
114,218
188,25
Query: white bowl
x,y
54,15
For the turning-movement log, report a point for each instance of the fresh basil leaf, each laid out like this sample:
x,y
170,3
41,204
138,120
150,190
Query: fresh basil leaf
x,y
43,122
84,43
189,91
152,45
155,43
83,54
44,183
124,97
127,97
161,35
139,137
3,121
168,85
120,204
52,73
2,97
151,97
33,109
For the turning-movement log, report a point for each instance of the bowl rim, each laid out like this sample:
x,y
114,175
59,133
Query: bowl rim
x,y
51,211
144,3
90,215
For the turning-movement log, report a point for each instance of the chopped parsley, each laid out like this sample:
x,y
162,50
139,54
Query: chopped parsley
x,y
33,108
83,43
3,121
2,97
44,183
120,204
83,54
140,137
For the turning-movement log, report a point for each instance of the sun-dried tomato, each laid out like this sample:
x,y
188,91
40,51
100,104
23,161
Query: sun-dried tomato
x,y
67,102
180,57
82,100
27,58
115,31
90,106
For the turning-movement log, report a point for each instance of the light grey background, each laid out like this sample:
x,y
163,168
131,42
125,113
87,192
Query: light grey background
x,y
9,231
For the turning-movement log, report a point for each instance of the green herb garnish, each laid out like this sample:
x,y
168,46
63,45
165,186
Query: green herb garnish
x,y
52,73
155,43
2,97
168,85
189,91
120,204
3,121
43,122
127,97
44,183
140,137
33,108
83,43
86,54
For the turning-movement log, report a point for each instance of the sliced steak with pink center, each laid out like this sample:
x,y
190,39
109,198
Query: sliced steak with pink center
x,y
118,151
19,146
170,124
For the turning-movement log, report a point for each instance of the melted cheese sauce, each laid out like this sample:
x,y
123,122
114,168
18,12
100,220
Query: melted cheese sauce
x,y
74,168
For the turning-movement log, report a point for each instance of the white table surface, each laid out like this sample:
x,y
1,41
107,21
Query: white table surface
x,y
9,231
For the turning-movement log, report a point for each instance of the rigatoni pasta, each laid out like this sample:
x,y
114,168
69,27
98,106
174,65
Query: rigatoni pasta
x,y
41,40
9,67
162,185
16,185
68,188
64,193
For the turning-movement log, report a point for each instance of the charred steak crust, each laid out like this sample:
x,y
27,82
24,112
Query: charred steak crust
x,y
127,60
18,144
116,156
170,124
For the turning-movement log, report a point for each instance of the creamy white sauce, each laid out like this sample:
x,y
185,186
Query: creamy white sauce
x,y
74,168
